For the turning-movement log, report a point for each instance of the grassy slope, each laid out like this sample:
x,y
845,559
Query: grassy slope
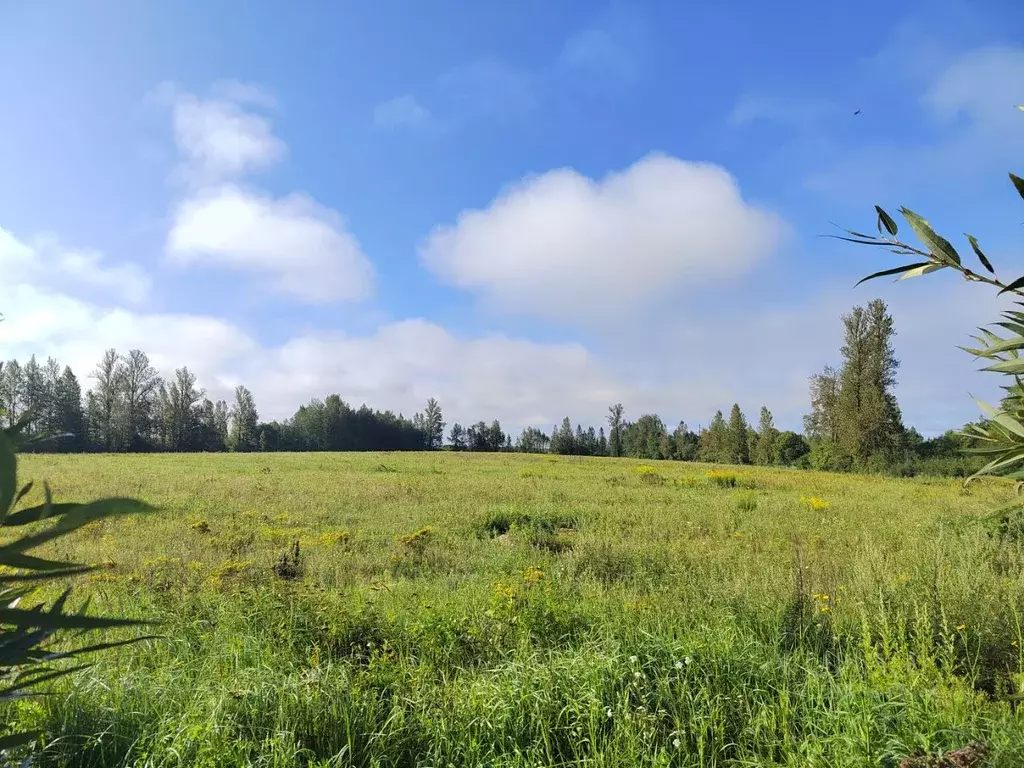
x,y
626,618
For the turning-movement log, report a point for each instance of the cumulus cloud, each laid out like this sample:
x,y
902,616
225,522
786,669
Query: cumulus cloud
x,y
565,246
303,245
219,140
45,261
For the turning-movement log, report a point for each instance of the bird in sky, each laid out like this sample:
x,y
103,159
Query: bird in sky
x,y
857,112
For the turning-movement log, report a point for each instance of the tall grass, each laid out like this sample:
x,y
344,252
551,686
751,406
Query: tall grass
x,y
524,611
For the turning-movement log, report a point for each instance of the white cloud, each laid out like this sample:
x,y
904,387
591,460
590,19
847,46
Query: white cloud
x,y
219,140
565,246
45,261
401,112
301,244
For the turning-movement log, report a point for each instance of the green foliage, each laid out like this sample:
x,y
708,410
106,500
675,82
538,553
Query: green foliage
x,y
999,438
28,636
790,448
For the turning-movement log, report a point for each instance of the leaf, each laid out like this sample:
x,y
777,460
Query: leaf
x,y
923,270
8,473
977,252
1015,285
940,247
1018,184
893,271
1001,418
884,219
1007,366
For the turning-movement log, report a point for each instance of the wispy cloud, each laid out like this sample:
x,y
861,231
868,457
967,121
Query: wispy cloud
x,y
402,112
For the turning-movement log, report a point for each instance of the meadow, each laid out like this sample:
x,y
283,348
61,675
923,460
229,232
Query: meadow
x,y
512,610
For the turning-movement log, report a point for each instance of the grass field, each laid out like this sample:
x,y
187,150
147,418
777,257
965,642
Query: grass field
x,y
508,610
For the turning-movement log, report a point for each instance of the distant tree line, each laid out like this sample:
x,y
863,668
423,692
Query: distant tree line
x,y
854,424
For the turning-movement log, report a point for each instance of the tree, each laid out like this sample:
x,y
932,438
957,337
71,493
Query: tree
x,y
183,418
68,418
736,451
103,402
244,421
563,441
532,440
34,395
790,448
1001,434
615,426
138,382
602,442
685,444
457,437
12,392
434,425
822,422
767,436
714,441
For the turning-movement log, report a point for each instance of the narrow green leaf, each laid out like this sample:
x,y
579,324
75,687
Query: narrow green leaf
x,y
1018,184
924,270
885,220
893,271
1007,366
977,252
940,247
1015,285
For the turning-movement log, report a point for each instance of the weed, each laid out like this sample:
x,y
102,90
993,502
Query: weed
x,y
289,565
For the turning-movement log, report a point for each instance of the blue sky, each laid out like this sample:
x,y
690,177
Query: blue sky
x,y
528,210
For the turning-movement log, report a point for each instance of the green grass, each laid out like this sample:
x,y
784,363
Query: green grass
x,y
478,610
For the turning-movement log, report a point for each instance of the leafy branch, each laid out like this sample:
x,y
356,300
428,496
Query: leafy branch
x,y
1000,437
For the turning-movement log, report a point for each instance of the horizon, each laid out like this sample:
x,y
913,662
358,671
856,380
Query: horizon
x,y
525,213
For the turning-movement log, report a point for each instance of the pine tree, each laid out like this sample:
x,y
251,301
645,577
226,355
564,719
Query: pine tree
x,y
602,442
764,454
737,437
68,417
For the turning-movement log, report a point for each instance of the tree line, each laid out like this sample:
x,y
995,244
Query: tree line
x,y
854,422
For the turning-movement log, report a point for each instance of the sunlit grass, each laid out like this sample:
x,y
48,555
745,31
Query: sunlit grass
x,y
457,609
